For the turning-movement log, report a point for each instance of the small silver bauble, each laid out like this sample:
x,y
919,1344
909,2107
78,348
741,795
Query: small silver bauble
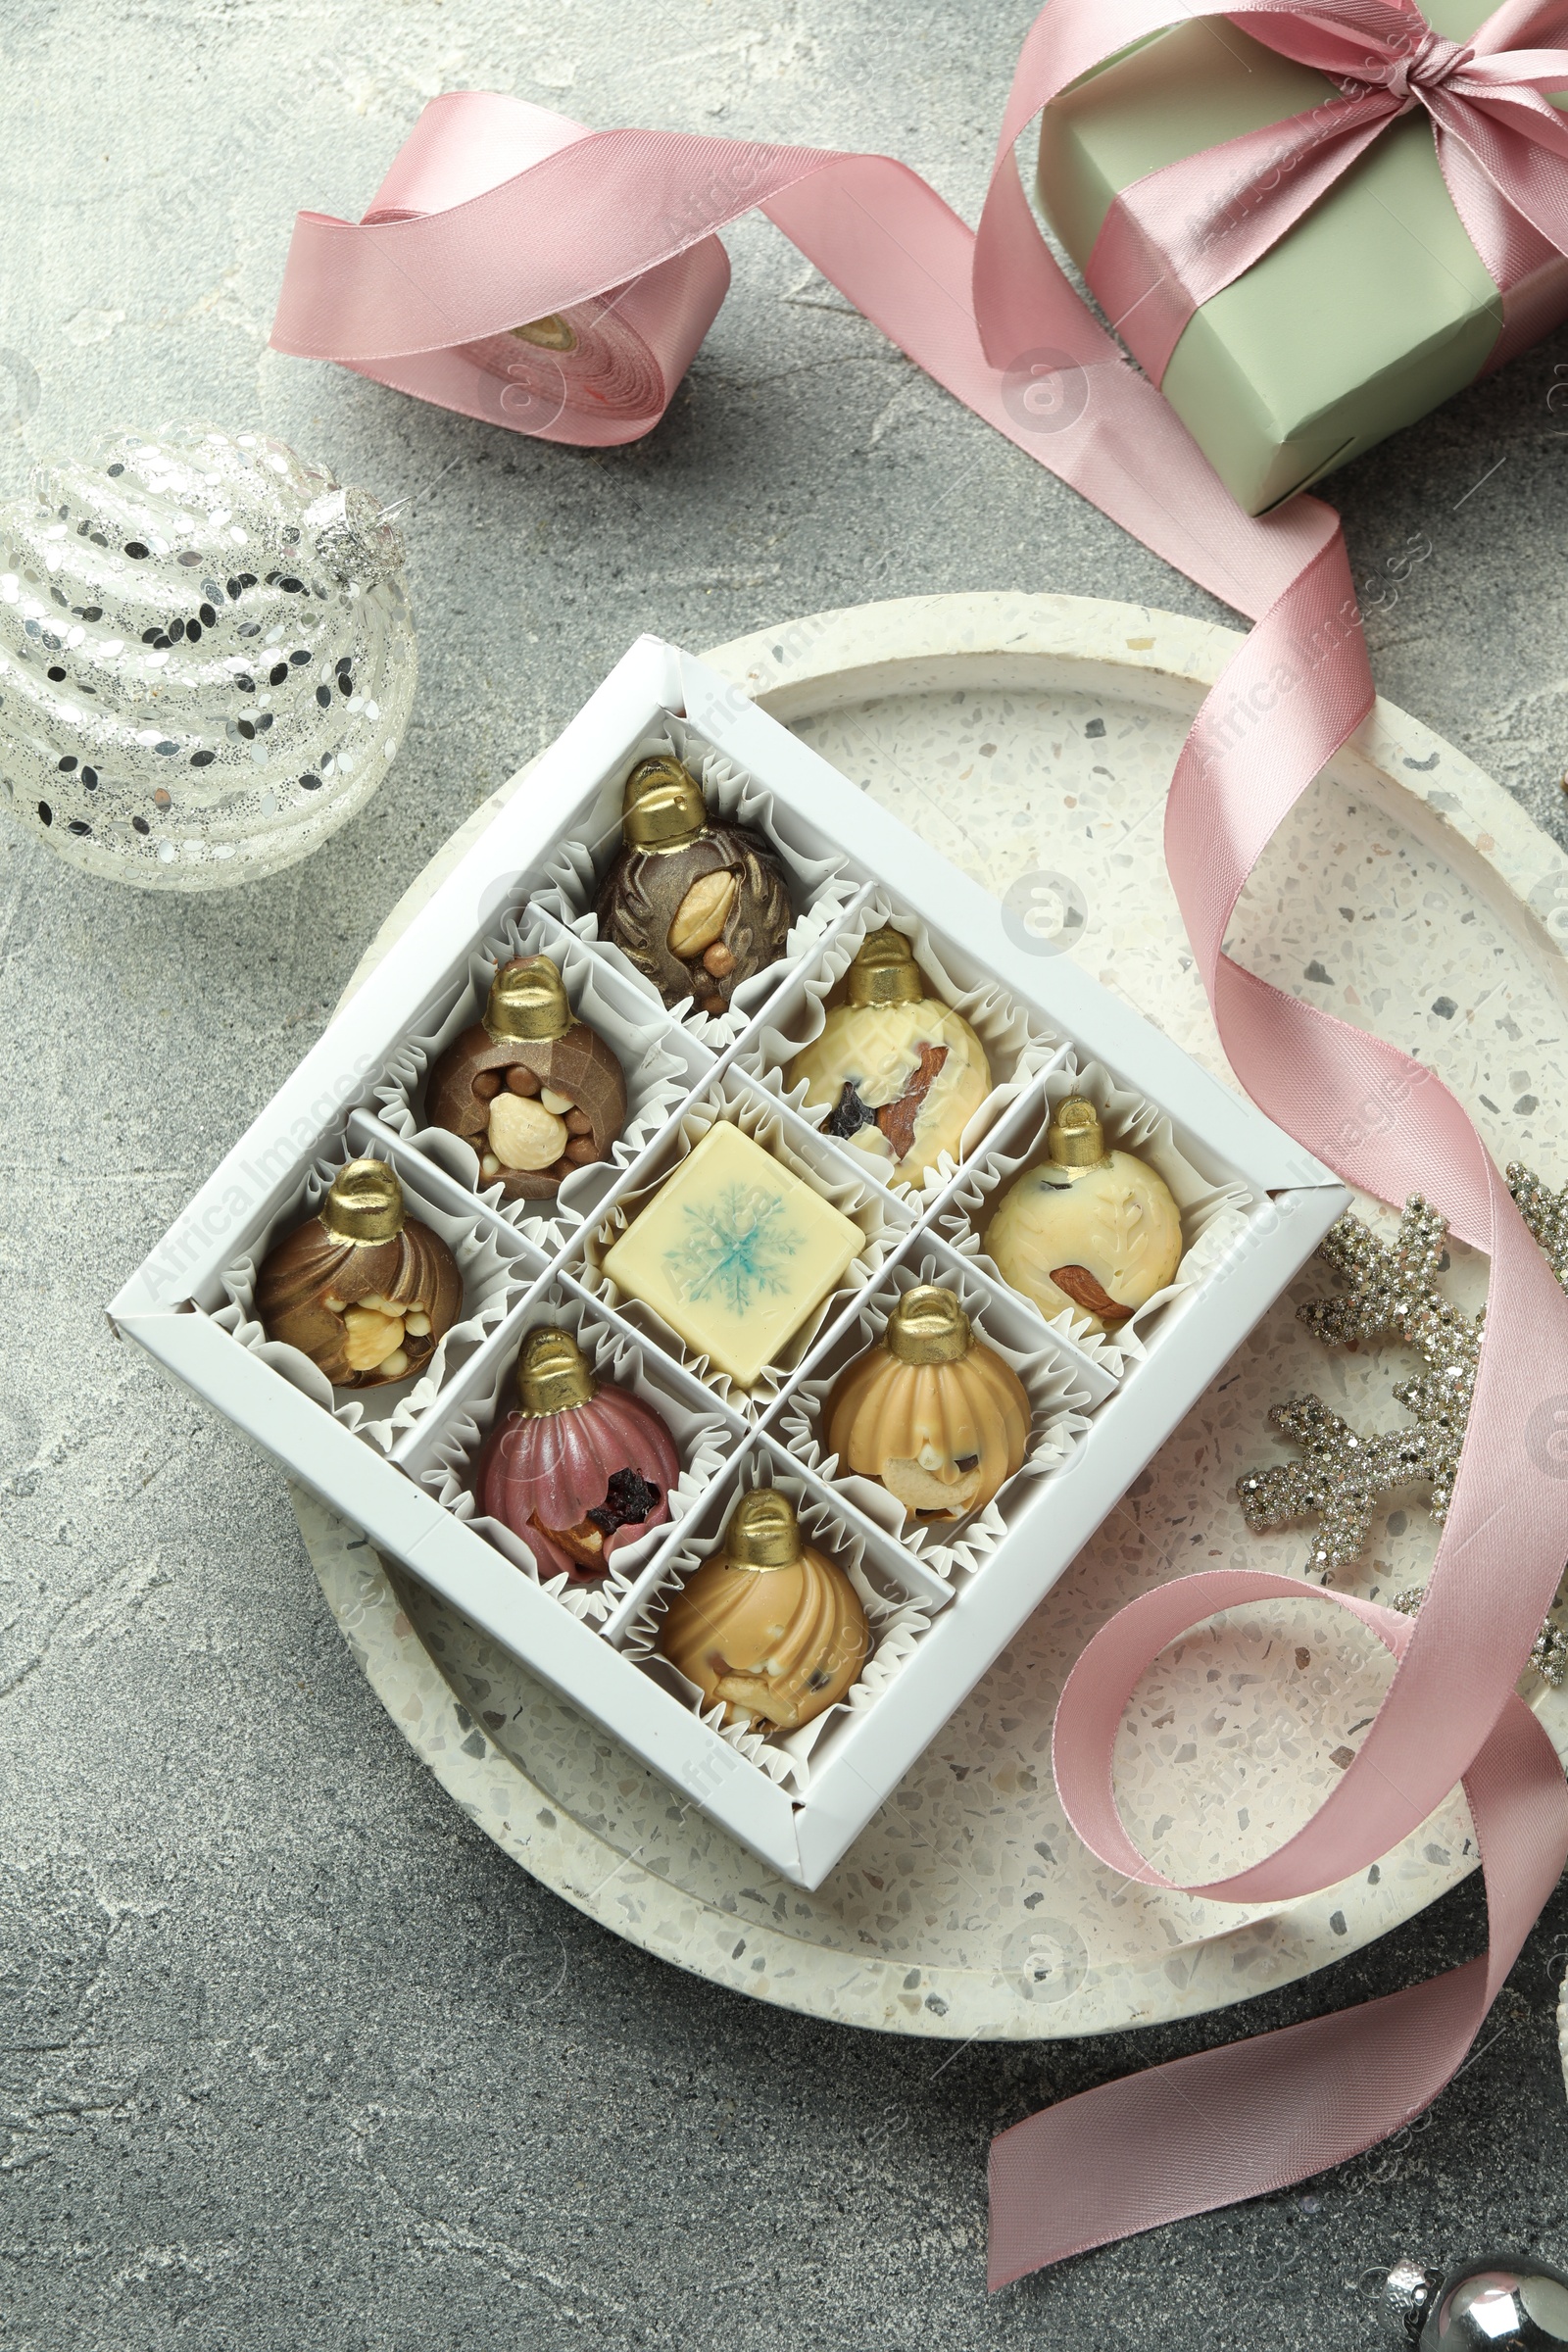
x,y
1500,2303
206,656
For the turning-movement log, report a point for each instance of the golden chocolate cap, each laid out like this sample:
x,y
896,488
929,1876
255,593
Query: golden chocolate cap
x,y
365,1203
664,806
763,1532
885,971
1075,1137
552,1374
928,1325
552,332
527,1000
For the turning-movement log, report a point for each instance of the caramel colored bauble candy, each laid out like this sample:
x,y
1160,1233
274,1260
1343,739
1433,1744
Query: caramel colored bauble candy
x,y
535,1091
930,1411
769,1626
1092,1230
899,1073
363,1290
697,903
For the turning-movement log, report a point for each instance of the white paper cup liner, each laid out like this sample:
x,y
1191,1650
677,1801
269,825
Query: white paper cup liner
x,y
897,1624
703,1442
1018,1045
1214,1217
951,1548
818,888
658,1073
865,1204
494,1277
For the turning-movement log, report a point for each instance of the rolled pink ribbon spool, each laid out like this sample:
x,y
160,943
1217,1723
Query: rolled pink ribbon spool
x,y
596,373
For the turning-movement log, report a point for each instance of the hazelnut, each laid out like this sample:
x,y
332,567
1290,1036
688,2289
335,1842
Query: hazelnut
x,y
372,1337
719,959
581,1149
523,1134
394,1366
488,1082
418,1325
578,1123
489,1165
714,1004
521,1081
703,913
558,1102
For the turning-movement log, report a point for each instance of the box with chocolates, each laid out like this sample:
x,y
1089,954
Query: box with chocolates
x,y
714,1254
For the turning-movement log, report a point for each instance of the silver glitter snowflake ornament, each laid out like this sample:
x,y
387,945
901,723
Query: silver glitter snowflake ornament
x,y
1393,1293
1546,1213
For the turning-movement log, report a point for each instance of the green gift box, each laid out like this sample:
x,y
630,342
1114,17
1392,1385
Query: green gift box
x,y
1369,312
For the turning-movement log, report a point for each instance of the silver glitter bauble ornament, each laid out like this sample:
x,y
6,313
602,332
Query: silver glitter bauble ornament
x,y
206,656
1500,2303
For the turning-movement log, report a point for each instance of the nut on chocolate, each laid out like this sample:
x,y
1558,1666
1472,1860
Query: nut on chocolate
x,y
364,1290
535,1091
697,903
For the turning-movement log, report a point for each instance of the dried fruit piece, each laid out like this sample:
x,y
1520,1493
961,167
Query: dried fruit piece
x,y
1085,1291
897,1119
849,1113
627,1501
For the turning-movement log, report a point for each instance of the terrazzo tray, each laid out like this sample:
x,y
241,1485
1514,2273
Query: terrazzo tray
x,y
1252,1205
1030,739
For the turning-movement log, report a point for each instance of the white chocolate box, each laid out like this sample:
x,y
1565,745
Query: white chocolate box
x,y
1254,1206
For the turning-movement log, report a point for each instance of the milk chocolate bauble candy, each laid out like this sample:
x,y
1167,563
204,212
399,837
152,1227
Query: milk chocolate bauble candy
x,y
930,1411
206,658
363,1290
537,1092
697,903
901,1073
1089,1229
581,1469
767,1625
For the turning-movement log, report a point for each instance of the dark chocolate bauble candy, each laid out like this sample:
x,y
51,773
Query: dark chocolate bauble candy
x,y
700,918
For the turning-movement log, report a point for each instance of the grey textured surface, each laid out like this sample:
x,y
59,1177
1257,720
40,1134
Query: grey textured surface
x,y
288,2053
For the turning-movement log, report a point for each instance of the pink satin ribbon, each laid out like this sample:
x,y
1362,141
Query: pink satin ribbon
x,y
466,242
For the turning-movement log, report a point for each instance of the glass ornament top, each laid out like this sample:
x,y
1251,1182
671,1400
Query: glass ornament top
x,y
206,660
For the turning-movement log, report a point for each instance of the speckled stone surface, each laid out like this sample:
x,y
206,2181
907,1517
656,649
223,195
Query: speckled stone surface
x,y
292,2051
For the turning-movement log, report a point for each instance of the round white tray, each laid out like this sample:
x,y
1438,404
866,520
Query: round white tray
x,y
1034,736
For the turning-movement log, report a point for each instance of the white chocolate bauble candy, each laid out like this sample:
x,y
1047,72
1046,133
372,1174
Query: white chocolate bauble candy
x,y
1114,1223
206,658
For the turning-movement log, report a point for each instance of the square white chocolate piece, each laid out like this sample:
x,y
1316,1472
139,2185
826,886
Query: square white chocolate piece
x,y
734,1252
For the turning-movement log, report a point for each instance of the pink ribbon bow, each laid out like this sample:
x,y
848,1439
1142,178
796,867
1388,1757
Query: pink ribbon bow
x,y
496,213
1176,237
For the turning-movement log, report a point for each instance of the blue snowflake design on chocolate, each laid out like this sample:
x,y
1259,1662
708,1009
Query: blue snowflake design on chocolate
x,y
736,1248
